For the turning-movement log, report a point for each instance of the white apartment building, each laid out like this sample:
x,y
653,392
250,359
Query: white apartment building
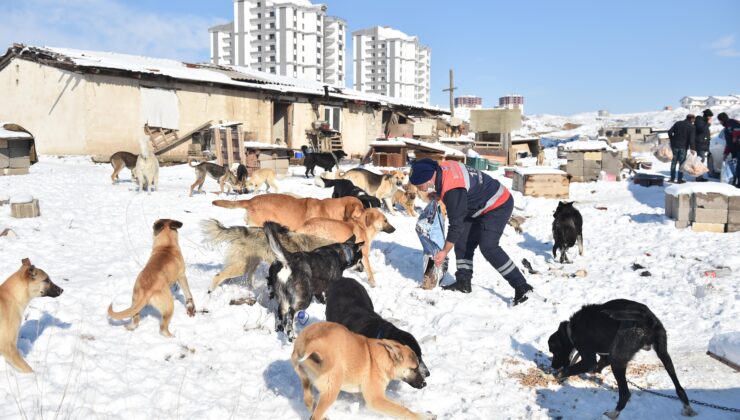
x,y
285,37
389,62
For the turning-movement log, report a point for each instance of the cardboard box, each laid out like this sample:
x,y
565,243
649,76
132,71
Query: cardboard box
x,y
733,216
592,156
709,215
708,227
20,162
709,201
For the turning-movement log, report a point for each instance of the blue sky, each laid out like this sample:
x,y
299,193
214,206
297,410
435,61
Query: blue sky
x,y
564,57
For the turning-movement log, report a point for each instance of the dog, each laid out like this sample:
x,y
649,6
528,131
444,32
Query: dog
x,y
262,176
221,174
291,211
567,230
120,160
348,303
406,197
165,267
381,186
247,248
295,277
332,358
616,331
324,160
146,170
15,293
345,188
363,228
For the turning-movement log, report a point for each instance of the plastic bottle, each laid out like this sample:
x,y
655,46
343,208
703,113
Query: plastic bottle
x,y
302,317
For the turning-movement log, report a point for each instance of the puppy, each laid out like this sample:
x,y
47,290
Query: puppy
x,y
567,229
165,267
146,170
348,303
616,331
220,173
381,186
297,276
120,160
345,188
15,294
262,176
323,160
406,198
332,359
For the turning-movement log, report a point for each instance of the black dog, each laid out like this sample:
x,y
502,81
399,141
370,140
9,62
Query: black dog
x,y
297,276
348,303
324,160
345,188
615,330
567,230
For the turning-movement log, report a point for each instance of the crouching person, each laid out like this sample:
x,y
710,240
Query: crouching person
x,y
478,208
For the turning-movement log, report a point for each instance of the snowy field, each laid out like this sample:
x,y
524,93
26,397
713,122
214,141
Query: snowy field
x,y
227,362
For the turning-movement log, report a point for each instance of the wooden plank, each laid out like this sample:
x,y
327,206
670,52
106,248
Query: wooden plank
x,y
242,150
229,148
219,146
725,361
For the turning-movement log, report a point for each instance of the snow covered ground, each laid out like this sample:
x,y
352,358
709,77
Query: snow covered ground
x,y
227,362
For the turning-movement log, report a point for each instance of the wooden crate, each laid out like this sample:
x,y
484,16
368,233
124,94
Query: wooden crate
x,y
553,184
25,210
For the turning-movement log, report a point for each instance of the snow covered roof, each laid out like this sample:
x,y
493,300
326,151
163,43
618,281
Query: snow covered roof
x,y
13,131
586,145
397,143
238,77
695,98
538,170
724,98
260,145
388,32
448,151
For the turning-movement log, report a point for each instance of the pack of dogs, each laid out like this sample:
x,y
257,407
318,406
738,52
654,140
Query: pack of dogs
x,y
309,244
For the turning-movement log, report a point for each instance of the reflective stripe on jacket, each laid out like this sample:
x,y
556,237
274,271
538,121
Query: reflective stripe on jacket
x,y
484,192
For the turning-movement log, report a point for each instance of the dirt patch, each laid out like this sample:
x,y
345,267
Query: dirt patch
x,y
534,378
639,369
571,126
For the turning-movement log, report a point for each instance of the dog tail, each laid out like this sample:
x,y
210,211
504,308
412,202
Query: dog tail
x,y
273,229
323,182
232,204
135,308
304,149
216,233
191,161
313,357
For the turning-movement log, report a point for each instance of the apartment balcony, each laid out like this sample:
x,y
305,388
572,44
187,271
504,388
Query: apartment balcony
x,y
329,48
329,30
329,60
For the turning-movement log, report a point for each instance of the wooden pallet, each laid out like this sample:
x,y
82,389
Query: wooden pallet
x,y
165,139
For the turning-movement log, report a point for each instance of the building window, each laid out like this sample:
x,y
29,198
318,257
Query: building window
x,y
318,50
332,115
272,14
340,76
638,131
259,15
272,69
272,58
259,49
272,36
295,57
259,37
259,4
272,25
259,59
259,26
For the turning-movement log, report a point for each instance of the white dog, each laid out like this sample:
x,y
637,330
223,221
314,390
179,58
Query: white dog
x,y
146,170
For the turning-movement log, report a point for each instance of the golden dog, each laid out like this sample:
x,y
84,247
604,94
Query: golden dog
x,y
332,358
406,198
364,228
165,267
381,186
292,212
15,293
262,176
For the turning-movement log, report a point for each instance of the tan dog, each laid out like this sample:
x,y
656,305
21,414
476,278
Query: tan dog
x,y
332,358
406,198
292,212
15,293
120,160
262,176
364,228
165,267
220,173
146,170
381,186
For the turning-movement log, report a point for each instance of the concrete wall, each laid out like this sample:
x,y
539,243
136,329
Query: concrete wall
x,y
303,117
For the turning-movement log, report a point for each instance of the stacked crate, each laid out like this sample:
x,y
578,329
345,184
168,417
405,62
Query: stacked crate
x,y
14,156
704,212
541,182
586,166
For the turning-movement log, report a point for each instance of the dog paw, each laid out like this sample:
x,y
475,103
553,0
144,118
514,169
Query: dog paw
x,y
613,414
688,411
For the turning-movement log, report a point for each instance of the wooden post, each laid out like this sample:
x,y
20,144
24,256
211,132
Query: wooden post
x,y
219,145
242,151
229,148
451,89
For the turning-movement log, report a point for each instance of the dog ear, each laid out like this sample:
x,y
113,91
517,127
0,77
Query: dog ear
x,y
158,226
26,261
354,212
351,239
394,350
359,245
175,224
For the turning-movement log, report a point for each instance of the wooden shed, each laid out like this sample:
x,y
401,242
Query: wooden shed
x,y
393,153
17,149
541,182
271,156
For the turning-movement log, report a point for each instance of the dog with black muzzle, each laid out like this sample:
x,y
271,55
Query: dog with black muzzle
x,y
331,358
15,293
296,277
567,230
616,331
348,303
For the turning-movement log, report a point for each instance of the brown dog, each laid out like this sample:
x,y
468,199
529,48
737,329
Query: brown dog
x,y
165,267
262,176
120,160
15,293
406,198
332,358
364,228
381,186
292,212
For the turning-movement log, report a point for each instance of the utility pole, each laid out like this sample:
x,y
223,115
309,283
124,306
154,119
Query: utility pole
x,y
451,90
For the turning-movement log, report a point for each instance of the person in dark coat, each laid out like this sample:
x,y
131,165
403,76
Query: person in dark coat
x,y
682,136
478,209
732,142
701,124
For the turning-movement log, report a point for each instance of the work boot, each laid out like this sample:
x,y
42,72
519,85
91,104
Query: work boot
x,y
672,180
461,285
521,294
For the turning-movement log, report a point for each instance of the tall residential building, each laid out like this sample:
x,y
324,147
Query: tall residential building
x,y
291,38
389,62
512,102
468,101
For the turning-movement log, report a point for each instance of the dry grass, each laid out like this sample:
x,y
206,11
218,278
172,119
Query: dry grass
x,y
534,378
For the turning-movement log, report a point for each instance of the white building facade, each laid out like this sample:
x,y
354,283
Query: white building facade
x,y
694,102
389,62
285,37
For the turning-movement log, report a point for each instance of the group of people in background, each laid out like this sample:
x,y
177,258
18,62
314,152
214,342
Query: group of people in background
x,y
693,133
